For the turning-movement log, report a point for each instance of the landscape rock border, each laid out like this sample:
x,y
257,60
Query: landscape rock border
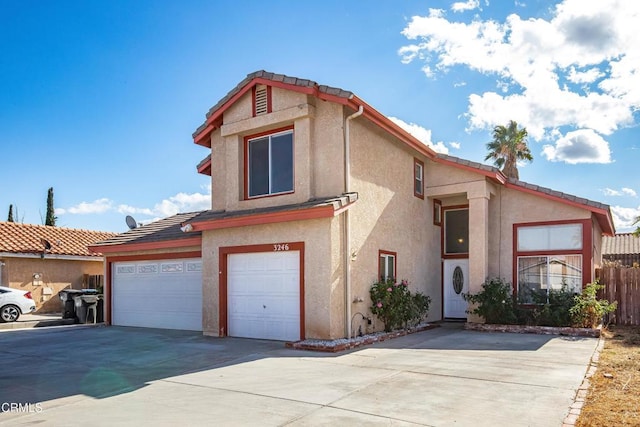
x,y
342,344
543,330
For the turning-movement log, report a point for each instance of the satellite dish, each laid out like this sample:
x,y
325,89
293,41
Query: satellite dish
x,y
46,244
131,223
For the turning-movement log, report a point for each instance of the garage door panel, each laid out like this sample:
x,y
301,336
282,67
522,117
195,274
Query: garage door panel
x,y
263,295
166,294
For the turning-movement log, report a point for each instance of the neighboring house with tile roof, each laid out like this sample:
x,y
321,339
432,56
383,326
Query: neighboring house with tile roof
x,y
316,195
623,249
44,260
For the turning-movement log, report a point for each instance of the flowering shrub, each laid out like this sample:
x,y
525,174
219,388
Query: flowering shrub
x,y
396,306
494,303
588,310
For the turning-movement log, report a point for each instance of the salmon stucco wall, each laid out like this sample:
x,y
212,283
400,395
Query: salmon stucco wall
x,y
323,290
518,207
45,277
389,217
318,150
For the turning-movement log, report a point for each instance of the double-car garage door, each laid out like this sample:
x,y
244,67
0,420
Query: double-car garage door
x,y
263,294
163,294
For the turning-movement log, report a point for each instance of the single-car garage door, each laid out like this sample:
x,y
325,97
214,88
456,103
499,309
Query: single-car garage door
x,y
163,294
263,295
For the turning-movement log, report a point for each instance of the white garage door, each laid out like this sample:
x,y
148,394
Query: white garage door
x,y
163,294
263,295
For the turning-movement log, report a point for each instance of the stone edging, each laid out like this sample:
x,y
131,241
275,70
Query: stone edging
x,y
524,329
335,346
581,395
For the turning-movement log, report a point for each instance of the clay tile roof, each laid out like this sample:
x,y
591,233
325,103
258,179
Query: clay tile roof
x,y
281,78
469,163
559,194
620,244
337,202
20,238
161,230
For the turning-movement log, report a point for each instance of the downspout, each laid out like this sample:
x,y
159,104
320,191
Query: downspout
x,y
347,222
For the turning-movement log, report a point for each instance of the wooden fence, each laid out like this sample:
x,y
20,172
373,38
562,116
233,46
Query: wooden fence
x,y
622,284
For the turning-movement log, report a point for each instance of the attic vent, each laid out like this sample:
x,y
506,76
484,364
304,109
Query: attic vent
x,y
261,100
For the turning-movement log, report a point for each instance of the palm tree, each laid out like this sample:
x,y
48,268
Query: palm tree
x,y
508,146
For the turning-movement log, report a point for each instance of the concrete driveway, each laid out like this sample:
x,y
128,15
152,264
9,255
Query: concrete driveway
x,y
441,377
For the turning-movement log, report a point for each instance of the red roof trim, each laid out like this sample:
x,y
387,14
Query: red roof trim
x,y
165,244
354,102
205,168
395,130
497,176
603,217
266,218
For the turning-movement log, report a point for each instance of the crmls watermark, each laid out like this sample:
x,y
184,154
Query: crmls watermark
x,y
23,408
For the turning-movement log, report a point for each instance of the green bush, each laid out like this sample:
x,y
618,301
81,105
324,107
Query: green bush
x,y
588,310
395,306
549,308
494,303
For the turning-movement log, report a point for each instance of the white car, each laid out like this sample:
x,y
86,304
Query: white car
x,y
13,303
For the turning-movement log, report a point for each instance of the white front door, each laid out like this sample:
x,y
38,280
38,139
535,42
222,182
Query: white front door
x,y
456,283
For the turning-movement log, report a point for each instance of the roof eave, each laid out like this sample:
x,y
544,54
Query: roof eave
x,y
494,175
146,246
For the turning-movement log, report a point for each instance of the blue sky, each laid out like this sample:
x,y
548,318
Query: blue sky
x,y
99,98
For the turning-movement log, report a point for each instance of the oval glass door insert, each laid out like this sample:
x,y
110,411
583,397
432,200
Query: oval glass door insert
x,y
458,280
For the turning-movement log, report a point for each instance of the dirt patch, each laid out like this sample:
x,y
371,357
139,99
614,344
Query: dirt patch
x,y
613,398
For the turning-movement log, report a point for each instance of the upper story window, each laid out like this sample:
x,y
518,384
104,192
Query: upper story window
x,y
269,164
418,178
456,231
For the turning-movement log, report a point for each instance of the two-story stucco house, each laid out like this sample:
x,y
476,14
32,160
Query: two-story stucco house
x,y
315,196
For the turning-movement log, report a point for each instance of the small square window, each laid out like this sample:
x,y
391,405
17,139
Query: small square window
x,y
418,178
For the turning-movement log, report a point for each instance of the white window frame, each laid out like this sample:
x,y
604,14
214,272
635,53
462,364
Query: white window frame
x,y
418,178
383,260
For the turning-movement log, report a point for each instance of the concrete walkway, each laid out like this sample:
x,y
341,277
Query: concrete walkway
x,y
443,377
37,321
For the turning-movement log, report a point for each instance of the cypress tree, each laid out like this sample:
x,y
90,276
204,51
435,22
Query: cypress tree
x,y
51,218
10,218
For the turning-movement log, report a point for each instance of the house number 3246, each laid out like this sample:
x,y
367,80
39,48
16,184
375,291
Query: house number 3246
x,y
280,247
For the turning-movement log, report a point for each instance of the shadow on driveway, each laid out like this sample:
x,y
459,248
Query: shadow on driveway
x,y
41,365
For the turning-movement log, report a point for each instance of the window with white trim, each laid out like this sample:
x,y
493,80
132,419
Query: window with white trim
x,y
270,164
549,257
418,178
387,265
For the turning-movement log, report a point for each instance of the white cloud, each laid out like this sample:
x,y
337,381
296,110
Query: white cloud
x,y
623,218
588,76
577,69
421,133
581,146
181,202
461,6
622,192
455,145
85,208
